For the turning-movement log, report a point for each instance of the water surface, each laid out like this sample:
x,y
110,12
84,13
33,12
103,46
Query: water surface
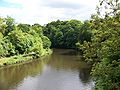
x,y
63,70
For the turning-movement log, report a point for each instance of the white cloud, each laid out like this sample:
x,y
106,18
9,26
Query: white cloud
x,y
44,11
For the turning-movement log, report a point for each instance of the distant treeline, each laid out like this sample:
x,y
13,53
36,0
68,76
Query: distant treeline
x,y
65,34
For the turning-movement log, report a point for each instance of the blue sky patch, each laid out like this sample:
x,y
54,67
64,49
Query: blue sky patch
x,y
9,5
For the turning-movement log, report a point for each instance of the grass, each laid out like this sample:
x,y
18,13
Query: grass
x,y
13,60
20,58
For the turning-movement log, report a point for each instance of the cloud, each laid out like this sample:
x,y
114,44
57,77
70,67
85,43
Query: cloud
x,y
61,4
44,11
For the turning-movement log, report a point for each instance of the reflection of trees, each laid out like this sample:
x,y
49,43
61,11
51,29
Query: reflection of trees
x,y
69,60
64,60
11,76
69,63
84,74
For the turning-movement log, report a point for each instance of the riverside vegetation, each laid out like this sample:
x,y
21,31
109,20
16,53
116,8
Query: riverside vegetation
x,y
98,40
21,42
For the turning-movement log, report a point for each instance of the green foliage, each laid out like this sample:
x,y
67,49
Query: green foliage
x,y
65,34
98,39
1,35
2,26
24,27
85,32
107,72
22,39
104,48
109,55
46,42
6,47
37,46
107,75
14,59
10,23
37,28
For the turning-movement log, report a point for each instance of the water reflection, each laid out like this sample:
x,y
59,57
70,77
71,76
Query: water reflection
x,y
70,60
12,76
63,70
84,74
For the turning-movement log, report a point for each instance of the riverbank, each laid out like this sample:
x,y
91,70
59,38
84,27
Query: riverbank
x,y
21,58
56,71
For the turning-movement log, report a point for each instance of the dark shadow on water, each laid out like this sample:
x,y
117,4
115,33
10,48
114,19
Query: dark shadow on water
x,y
70,53
84,74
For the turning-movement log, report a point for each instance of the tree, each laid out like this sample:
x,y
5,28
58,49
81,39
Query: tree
x,y
106,73
108,8
20,40
46,42
24,27
6,48
104,48
10,25
2,26
63,34
37,28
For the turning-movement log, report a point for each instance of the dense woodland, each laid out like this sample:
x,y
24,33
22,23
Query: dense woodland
x,y
98,39
65,34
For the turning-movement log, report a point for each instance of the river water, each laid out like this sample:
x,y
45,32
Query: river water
x,y
63,70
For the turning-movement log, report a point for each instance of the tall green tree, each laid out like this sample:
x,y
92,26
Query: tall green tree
x,y
104,48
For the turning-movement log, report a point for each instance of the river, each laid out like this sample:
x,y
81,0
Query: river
x,y
63,70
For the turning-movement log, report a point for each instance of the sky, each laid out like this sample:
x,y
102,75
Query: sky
x,y
45,11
